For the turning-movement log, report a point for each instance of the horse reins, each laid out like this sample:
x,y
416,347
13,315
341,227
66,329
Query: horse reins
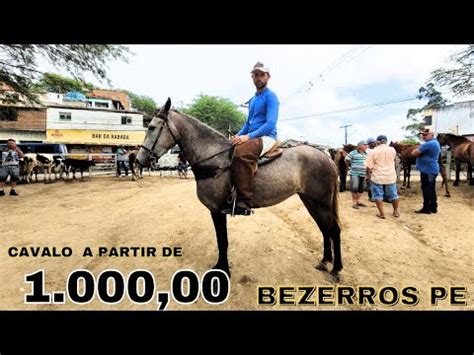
x,y
194,165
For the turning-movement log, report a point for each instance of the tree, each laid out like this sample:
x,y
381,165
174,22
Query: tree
x,y
142,103
19,63
217,112
60,84
409,141
459,79
435,100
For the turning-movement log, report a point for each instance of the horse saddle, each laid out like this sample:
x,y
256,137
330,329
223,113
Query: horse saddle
x,y
274,152
209,171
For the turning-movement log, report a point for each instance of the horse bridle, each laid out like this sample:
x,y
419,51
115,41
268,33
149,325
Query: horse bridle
x,y
151,154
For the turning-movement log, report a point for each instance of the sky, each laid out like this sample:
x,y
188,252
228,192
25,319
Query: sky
x,y
308,79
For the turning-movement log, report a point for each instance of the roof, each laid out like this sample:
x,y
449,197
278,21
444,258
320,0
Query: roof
x,y
120,96
95,109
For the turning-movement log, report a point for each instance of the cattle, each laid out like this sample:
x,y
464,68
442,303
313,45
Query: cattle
x,y
27,164
79,164
58,166
45,164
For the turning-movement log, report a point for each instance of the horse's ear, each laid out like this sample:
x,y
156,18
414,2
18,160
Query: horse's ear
x,y
167,106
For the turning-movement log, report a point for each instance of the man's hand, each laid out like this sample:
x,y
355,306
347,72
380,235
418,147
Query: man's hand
x,y
416,152
240,139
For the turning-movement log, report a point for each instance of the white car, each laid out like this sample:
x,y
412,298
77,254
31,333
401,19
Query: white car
x,y
170,160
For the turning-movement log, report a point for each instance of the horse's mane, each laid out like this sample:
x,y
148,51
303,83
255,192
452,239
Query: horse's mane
x,y
456,137
200,123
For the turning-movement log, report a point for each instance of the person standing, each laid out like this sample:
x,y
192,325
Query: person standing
x,y
122,160
382,176
427,164
371,144
356,161
10,167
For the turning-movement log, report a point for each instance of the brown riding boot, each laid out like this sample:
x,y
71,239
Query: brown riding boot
x,y
244,167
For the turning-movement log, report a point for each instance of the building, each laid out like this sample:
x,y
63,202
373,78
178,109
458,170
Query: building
x,y
93,130
457,119
21,120
95,123
118,100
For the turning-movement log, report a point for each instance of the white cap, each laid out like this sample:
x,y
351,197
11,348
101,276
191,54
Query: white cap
x,y
259,66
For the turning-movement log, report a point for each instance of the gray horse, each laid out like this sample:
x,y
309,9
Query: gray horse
x,y
301,170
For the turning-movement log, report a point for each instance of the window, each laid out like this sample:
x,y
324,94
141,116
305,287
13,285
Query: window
x,y
64,116
146,122
102,104
8,114
126,120
428,120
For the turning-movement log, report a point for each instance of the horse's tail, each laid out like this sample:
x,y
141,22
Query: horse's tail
x,y
335,203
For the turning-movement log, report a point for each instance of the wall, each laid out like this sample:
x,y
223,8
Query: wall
x,y
29,119
457,119
94,119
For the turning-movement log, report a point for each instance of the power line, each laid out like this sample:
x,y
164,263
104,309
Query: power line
x,y
361,107
346,56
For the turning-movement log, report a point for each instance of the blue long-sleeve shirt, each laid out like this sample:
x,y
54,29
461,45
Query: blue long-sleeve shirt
x,y
427,162
263,115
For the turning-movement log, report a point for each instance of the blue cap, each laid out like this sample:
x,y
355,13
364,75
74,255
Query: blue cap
x,y
370,140
382,138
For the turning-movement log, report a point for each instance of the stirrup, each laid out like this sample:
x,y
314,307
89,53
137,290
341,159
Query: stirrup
x,y
232,208
238,211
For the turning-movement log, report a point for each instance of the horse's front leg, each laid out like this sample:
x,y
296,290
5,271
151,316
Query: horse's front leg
x,y
220,225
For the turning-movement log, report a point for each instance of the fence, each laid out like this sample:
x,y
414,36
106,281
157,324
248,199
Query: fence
x,y
106,164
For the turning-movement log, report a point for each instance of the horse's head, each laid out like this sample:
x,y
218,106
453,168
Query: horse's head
x,y
395,145
158,139
442,139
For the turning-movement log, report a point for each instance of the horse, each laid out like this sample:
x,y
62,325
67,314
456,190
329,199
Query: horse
x,y
407,159
463,151
349,147
301,170
338,156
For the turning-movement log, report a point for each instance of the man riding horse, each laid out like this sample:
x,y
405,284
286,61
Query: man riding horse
x,y
256,137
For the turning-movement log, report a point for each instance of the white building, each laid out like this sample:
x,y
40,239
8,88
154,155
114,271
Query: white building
x,y
457,119
93,130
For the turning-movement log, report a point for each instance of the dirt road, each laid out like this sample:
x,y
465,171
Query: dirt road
x,y
276,246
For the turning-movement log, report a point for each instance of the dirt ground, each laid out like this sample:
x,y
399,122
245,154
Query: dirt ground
x,y
276,246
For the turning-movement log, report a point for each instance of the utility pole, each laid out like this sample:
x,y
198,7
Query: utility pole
x,y
345,132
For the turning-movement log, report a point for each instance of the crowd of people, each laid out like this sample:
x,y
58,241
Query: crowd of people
x,y
372,168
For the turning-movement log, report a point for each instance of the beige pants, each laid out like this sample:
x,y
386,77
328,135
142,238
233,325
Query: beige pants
x,y
268,143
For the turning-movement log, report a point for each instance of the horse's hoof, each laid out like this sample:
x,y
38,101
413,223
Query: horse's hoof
x,y
448,195
321,266
334,276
